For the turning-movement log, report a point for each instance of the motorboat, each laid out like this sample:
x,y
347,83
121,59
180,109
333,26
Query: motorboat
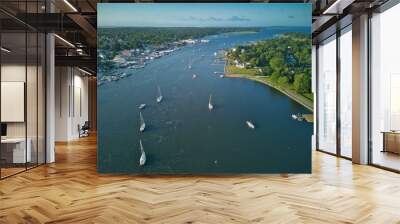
x,y
250,124
142,106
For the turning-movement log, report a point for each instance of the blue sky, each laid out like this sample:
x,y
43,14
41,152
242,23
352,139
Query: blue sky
x,y
203,15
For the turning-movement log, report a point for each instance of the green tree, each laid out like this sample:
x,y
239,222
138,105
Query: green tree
x,y
283,80
276,63
266,70
275,76
302,83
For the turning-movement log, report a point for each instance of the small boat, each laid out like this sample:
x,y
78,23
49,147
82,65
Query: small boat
x,y
210,106
142,106
142,160
221,76
298,117
215,53
160,97
142,123
189,67
194,76
250,125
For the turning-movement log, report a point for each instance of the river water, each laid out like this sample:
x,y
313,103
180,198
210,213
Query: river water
x,y
183,136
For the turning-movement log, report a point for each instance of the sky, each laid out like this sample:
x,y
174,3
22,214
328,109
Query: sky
x,y
203,14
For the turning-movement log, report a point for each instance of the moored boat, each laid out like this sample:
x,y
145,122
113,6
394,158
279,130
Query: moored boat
x,y
142,160
250,124
210,106
142,106
142,123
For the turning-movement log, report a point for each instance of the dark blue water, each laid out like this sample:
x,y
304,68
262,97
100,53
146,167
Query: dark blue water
x,y
183,136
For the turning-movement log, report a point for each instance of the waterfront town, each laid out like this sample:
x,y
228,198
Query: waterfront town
x,y
136,58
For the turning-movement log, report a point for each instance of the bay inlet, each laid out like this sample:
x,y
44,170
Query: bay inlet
x,y
183,135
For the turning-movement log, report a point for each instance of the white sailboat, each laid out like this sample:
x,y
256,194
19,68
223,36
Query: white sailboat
x,y
142,106
142,160
142,124
194,76
160,97
250,125
210,106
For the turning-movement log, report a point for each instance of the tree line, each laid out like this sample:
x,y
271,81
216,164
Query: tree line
x,y
286,59
118,39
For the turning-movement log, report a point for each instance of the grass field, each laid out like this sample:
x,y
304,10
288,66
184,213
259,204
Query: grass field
x,y
231,69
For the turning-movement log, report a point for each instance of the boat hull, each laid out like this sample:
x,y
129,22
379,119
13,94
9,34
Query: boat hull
x,y
142,127
250,125
142,160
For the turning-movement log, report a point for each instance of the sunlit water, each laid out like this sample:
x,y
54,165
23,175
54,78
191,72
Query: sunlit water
x,y
183,136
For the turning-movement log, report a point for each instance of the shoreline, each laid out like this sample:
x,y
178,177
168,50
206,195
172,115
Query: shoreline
x,y
294,96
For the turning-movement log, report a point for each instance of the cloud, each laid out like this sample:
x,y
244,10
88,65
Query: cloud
x,y
237,18
218,19
195,18
212,18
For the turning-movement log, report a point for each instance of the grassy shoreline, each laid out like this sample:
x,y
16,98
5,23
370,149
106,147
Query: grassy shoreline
x,y
307,103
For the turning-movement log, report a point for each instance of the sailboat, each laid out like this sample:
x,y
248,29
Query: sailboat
x,y
160,97
142,106
210,106
250,125
190,65
142,124
142,160
194,76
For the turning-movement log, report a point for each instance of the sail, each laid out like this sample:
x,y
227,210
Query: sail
x,y
142,159
141,146
159,91
142,124
160,97
210,106
141,119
